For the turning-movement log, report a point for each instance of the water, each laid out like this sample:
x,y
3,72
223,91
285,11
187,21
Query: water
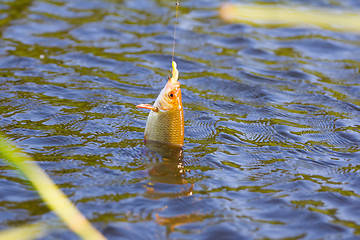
x,y
271,121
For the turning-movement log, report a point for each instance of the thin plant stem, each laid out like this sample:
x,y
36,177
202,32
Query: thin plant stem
x,y
48,191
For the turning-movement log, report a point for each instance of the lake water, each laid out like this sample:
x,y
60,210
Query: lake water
x,y
271,121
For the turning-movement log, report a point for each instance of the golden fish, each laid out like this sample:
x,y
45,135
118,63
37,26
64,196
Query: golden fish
x,y
165,123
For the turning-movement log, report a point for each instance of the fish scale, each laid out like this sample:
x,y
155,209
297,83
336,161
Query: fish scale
x,y
165,127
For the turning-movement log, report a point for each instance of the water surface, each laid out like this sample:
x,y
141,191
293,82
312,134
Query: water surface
x,y
271,121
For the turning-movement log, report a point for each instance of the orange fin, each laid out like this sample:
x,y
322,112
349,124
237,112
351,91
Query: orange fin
x,y
147,106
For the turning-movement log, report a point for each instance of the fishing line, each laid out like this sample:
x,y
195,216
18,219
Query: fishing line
x,y
176,22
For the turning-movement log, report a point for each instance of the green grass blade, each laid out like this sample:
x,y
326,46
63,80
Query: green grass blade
x,y
48,191
278,16
27,232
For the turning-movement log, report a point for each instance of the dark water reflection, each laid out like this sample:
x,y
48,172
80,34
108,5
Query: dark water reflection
x,y
271,121
166,167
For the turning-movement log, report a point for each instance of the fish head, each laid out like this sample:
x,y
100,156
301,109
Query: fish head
x,y
170,97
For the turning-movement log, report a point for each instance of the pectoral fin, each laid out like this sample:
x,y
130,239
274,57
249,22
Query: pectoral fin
x,y
147,106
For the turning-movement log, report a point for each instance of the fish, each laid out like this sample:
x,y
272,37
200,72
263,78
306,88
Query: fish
x,y
165,123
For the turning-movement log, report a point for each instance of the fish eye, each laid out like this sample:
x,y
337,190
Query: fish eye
x,y
171,95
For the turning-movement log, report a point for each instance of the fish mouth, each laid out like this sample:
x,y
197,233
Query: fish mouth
x,y
172,86
175,73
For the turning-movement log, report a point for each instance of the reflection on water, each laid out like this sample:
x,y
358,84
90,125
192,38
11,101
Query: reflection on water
x,y
166,169
167,179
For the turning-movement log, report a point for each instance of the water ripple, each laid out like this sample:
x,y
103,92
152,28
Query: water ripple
x,y
271,120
